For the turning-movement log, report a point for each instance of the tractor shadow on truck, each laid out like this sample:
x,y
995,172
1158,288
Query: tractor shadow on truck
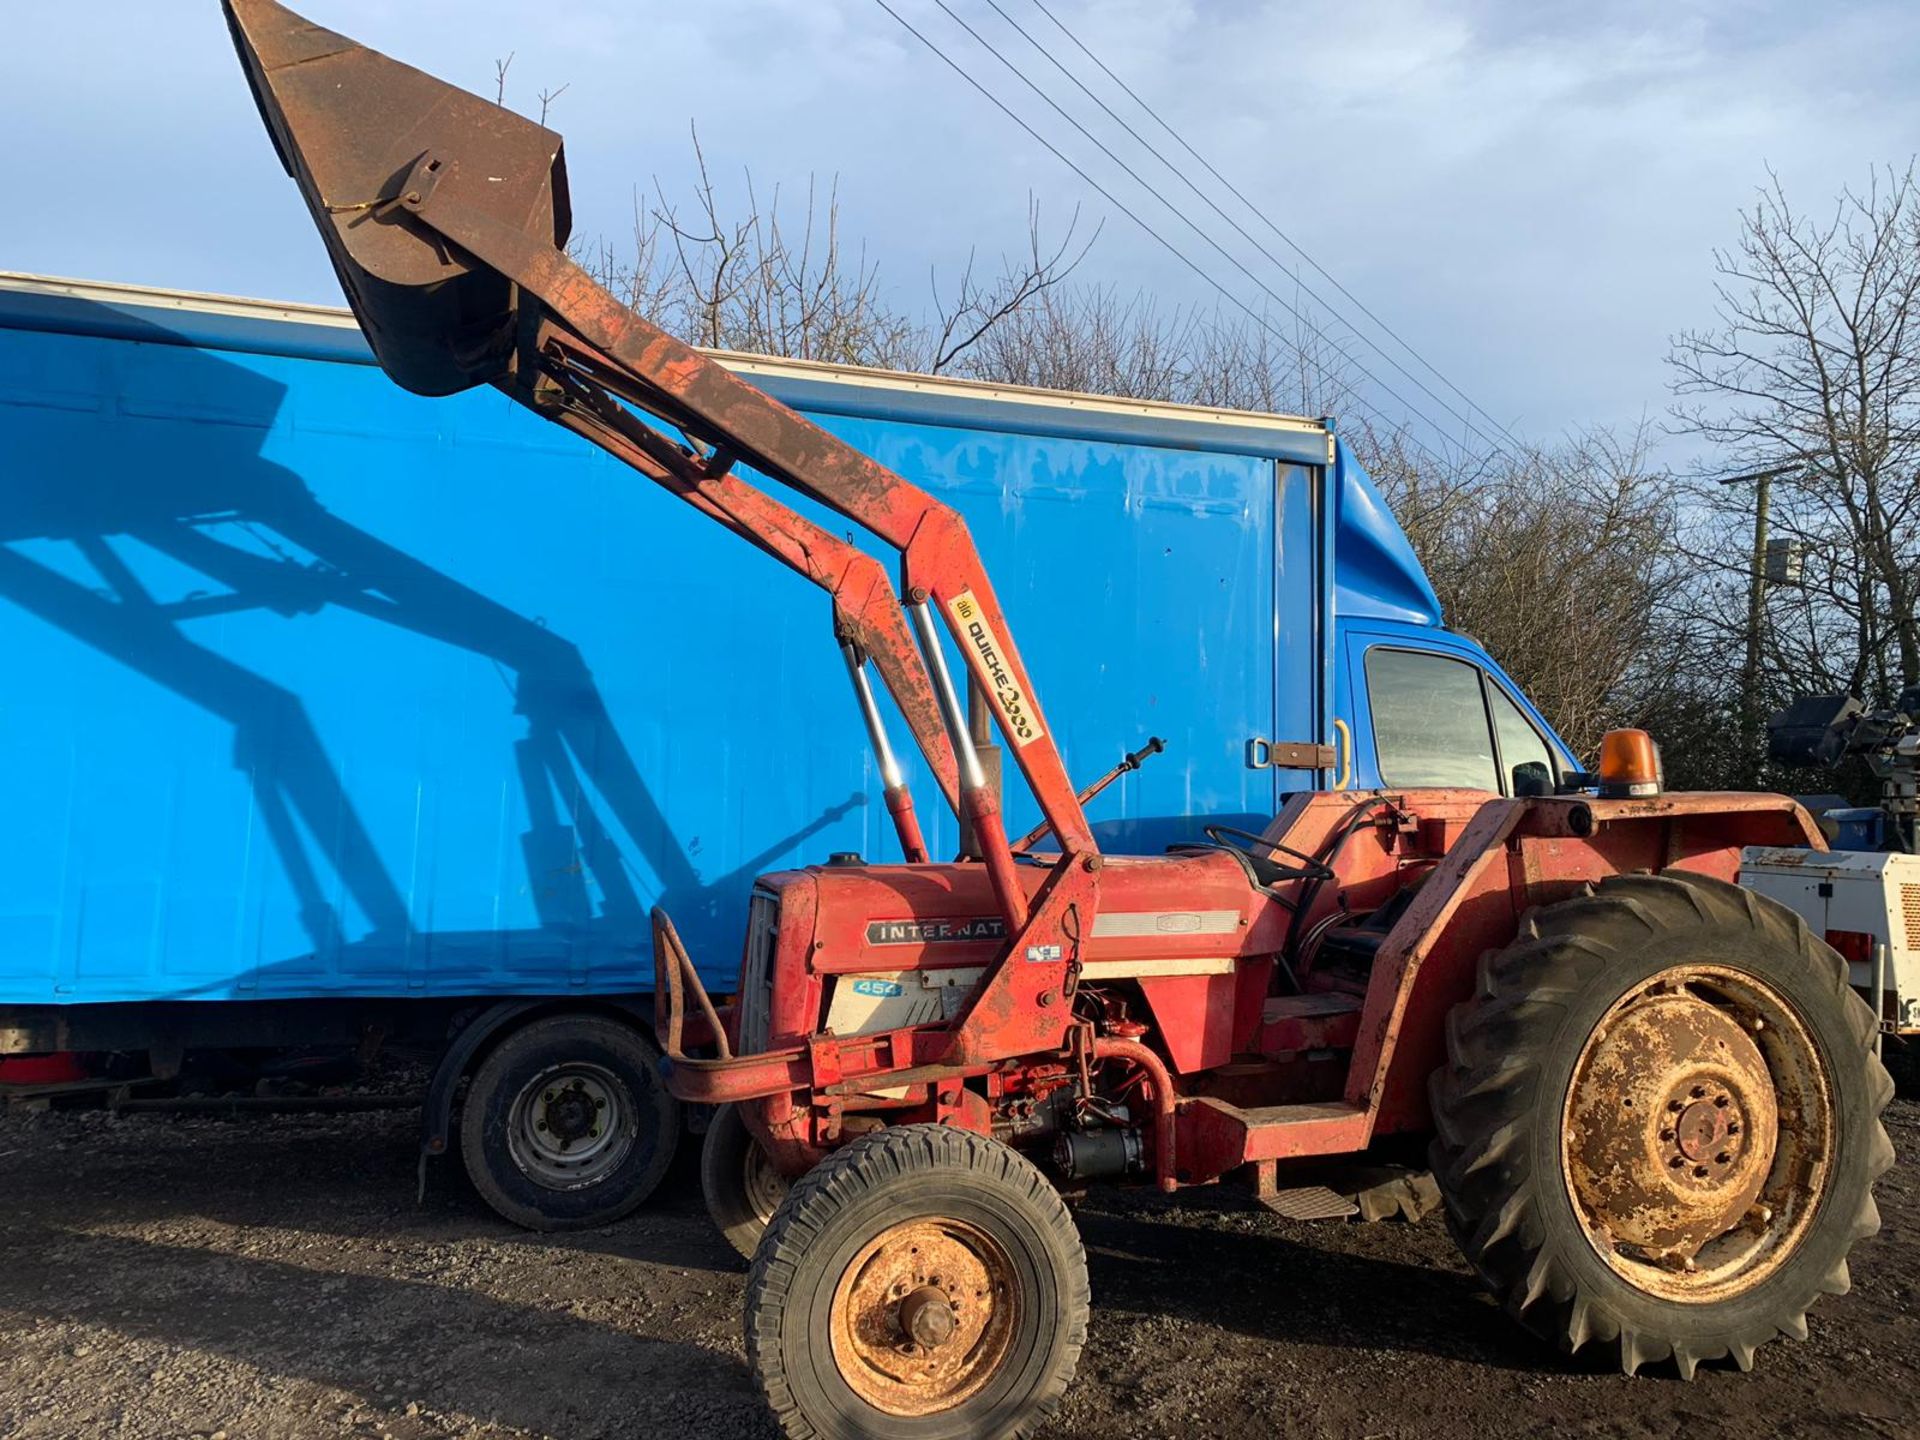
x,y
94,504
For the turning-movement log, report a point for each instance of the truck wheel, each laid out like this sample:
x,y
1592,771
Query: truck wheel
x,y
923,1283
567,1123
1659,1124
742,1188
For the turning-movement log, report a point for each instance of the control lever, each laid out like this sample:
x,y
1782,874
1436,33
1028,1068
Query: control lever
x,y
1127,762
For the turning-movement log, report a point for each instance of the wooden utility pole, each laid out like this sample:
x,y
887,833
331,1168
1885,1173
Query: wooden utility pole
x,y
1762,481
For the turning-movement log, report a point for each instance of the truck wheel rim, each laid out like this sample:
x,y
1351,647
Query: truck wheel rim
x,y
1698,1133
924,1316
571,1126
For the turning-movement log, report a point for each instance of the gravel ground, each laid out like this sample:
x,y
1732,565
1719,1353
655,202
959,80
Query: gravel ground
x,y
272,1277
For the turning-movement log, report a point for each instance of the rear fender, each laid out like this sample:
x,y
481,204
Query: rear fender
x,y
1514,855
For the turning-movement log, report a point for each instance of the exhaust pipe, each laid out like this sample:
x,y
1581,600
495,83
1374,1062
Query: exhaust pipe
x,y
350,124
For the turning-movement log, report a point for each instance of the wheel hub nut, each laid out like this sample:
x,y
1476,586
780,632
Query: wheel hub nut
x,y
1701,1130
570,1115
927,1318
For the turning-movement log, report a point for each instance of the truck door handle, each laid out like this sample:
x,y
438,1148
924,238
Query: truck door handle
x,y
1299,755
1289,755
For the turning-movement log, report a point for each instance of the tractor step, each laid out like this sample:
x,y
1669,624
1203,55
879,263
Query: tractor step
x,y
1278,1132
1308,1202
1373,1192
1324,1020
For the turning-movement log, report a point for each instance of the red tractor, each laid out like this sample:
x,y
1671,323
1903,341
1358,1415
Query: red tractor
x,y
1651,1095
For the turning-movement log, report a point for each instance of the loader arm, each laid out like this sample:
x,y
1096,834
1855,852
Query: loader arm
x,y
445,217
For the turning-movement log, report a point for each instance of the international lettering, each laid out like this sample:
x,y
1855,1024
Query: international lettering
x,y
935,932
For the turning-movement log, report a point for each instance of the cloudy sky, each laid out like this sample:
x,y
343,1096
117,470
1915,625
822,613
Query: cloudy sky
x,y
1528,190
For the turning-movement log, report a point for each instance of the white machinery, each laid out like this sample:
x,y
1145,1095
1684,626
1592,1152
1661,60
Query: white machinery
x,y
1863,897
1866,905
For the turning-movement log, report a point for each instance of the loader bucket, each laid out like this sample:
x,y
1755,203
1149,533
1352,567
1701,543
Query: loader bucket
x,y
349,123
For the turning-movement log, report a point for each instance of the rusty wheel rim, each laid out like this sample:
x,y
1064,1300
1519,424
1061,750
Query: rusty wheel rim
x,y
923,1317
1697,1133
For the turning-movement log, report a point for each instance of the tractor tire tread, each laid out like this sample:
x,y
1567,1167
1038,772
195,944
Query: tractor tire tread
x,y
723,1184
894,1153
1483,1100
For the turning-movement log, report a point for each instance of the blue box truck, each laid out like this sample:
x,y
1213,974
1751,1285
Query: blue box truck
x,y
336,718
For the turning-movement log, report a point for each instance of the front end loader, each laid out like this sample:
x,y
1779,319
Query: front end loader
x,y
1650,1097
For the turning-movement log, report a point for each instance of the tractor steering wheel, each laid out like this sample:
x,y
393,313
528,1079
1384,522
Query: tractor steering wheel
x,y
1271,871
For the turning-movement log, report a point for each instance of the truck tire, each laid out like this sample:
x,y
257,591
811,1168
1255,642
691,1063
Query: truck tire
x,y
742,1188
568,1124
923,1283
1659,1125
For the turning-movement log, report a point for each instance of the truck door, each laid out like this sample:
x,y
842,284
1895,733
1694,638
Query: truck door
x,y
1433,715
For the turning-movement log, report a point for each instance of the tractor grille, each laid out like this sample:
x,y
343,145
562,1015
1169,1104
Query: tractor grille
x,y
756,973
1910,909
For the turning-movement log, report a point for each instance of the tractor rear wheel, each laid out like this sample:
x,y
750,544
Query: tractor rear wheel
x,y
923,1283
737,1177
1659,1124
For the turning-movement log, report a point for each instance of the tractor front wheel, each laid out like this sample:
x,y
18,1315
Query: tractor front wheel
x,y
1659,1124
923,1283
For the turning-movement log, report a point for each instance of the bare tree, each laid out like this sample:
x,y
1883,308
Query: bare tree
x,y
1555,560
1290,368
1815,363
777,279
980,310
1092,339
757,274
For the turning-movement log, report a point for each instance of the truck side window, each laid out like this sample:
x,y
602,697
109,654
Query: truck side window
x,y
1520,743
1429,721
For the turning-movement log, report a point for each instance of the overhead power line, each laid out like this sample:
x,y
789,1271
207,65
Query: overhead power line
x,y
1109,197
1272,259
1205,275
1259,213
1194,226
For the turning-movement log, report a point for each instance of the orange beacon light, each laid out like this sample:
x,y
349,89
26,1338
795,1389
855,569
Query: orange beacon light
x,y
1629,764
